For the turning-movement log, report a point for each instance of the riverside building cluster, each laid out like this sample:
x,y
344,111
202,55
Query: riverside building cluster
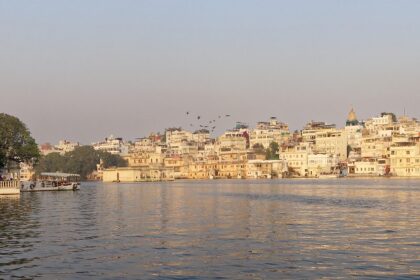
x,y
380,146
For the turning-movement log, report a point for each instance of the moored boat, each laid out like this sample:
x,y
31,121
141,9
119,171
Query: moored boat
x,y
49,181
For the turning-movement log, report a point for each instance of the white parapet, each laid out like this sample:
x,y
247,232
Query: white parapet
x,y
9,187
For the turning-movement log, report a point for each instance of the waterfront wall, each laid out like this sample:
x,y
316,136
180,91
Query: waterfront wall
x,y
9,187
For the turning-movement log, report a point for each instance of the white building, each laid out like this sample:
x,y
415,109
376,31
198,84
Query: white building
x,y
312,128
267,132
370,167
232,140
112,145
332,142
321,164
65,146
296,158
174,136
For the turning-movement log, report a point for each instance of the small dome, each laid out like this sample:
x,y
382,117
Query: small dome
x,y
352,119
352,116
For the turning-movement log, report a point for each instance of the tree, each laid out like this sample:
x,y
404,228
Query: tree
x,y
272,151
258,148
110,160
82,161
394,117
51,163
349,149
16,142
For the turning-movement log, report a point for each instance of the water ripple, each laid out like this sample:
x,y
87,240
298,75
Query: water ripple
x,y
236,229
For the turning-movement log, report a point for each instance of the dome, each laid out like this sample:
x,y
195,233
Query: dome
x,y
352,118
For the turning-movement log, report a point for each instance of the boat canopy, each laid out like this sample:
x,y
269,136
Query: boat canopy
x,y
59,174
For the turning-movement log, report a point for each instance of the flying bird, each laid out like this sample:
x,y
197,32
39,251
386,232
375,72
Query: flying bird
x,y
198,117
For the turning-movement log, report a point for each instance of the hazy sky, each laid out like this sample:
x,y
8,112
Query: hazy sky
x,y
81,70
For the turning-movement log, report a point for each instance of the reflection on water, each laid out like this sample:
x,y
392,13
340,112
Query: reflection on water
x,y
215,229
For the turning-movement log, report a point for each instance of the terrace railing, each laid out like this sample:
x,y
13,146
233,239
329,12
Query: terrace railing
x,y
13,184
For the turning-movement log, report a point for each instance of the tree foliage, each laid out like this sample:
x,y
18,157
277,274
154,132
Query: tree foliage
x,y
16,142
82,161
394,117
272,151
258,148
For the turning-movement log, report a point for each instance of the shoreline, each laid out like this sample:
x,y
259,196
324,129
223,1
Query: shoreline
x,y
266,179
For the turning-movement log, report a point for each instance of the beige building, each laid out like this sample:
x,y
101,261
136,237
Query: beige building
x,y
231,169
201,136
409,127
332,142
144,145
267,132
312,128
137,174
143,159
370,167
26,172
267,169
175,136
296,158
405,159
322,164
374,123
375,147
230,141
65,146
202,169
179,164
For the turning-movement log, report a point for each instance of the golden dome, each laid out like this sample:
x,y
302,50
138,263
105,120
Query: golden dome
x,y
352,116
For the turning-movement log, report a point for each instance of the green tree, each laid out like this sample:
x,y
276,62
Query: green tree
x,y
272,151
394,117
258,148
82,161
53,162
110,160
16,143
349,149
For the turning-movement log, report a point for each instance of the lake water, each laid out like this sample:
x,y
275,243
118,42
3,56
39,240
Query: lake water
x,y
222,229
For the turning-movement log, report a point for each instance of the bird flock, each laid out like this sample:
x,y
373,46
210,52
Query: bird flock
x,y
198,122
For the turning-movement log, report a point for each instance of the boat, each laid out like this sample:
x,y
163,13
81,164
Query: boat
x,y
50,181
